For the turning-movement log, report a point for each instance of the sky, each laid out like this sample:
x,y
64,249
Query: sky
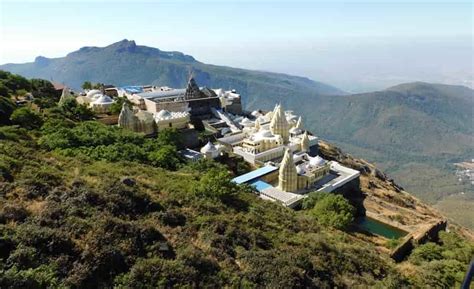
x,y
354,45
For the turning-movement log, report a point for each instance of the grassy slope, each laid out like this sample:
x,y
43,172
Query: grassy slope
x,y
94,220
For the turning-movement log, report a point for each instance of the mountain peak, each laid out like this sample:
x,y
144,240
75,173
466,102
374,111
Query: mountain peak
x,y
123,45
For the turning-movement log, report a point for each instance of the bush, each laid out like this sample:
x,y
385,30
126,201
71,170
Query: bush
x,y
6,109
426,252
165,157
72,110
26,118
116,107
45,96
334,211
216,184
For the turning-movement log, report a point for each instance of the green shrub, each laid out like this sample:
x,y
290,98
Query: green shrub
x,y
426,252
26,118
44,93
6,109
165,157
333,210
216,184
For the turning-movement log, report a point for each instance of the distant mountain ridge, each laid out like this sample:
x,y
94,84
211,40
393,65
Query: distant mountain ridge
x,y
125,63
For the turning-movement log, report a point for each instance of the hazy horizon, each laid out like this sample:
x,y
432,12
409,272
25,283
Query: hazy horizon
x,y
356,46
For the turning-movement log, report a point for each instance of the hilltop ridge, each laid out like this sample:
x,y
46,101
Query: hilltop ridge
x,y
125,63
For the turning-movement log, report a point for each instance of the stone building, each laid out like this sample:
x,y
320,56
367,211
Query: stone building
x,y
102,104
142,122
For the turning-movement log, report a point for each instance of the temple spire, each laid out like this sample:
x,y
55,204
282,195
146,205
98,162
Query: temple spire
x,y
299,124
66,94
287,176
279,125
192,90
127,118
257,125
304,145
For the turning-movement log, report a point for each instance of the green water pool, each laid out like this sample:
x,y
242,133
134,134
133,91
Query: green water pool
x,y
379,228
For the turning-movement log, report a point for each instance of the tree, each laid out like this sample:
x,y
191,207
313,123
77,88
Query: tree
x,y
3,89
87,85
312,199
116,107
72,110
16,82
98,86
168,136
26,118
44,93
165,157
426,252
6,109
216,183
334,211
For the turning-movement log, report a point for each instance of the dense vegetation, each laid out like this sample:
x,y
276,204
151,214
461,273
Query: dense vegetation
x,y
84,205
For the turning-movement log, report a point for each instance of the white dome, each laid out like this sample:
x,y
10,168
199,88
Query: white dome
x,y
103,99
261,119
300,170
246,122
317,161
264,133
93,92
163,114
256,113
208,148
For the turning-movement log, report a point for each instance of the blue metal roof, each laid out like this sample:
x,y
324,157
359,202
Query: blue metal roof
x,y
260,185
132,89
163,94
254,174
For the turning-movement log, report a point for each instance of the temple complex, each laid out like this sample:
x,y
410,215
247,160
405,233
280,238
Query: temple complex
x,y
281,151
266,137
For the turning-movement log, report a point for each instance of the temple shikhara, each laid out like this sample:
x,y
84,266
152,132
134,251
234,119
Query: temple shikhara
x,y
213,124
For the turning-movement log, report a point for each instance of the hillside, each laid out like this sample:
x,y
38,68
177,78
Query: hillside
x,y
125,63
414,131
86,205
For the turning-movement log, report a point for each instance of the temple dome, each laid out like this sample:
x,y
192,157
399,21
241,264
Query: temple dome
x,y
246,122
317,161
163,114
255,113
103,99
208,148
264,133
93,92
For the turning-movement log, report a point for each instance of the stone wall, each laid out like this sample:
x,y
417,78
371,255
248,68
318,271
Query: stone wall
x,y
430,233
404,249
